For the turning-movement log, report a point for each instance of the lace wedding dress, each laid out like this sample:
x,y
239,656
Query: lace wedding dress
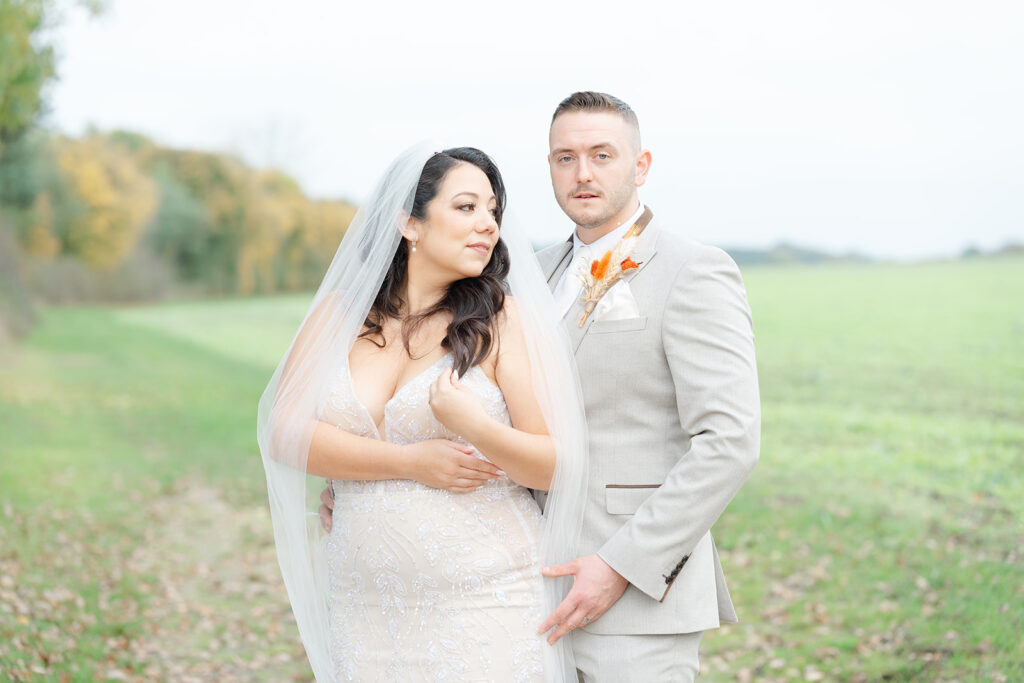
x,y
428,585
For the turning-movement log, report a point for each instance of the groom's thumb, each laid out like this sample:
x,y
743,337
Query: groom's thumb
x,y
559,569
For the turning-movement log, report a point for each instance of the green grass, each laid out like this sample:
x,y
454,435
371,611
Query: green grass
x,y
880,537
881,534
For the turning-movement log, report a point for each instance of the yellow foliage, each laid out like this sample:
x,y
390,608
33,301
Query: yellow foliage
x,y
39,241
223,223
117,196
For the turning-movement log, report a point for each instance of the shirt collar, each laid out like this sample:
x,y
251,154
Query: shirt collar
x,y
607,242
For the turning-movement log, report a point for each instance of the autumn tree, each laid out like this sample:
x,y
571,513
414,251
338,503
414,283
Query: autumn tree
x,y
116,197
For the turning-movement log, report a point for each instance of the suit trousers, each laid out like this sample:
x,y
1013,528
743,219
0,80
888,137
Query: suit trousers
x,y
669,658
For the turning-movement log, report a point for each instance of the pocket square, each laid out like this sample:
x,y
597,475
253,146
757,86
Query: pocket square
x,y
618,303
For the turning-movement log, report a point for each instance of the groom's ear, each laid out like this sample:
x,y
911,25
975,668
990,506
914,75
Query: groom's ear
x,y
643,165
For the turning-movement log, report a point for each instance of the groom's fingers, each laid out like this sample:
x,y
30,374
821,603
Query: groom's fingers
x,y
325,518
559,569
561,613
574,620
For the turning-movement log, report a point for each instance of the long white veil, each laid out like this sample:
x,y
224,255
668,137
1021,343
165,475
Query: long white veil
x,y
291,406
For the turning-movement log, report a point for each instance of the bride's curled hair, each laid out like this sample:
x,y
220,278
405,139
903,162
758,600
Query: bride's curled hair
x,y
473,302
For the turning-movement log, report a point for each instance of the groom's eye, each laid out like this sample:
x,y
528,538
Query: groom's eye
x,y
565,158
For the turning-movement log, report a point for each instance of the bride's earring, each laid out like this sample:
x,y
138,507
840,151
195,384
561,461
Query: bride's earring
x,y
413,242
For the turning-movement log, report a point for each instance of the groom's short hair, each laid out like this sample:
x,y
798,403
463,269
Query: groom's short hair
x,y
591,101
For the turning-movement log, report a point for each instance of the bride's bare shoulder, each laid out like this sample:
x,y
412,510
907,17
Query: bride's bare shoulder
x,y
509,320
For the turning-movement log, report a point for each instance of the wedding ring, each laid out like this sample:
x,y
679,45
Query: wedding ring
x,y
586,620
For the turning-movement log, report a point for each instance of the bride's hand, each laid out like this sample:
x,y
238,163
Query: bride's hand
x,y
455,406
443,464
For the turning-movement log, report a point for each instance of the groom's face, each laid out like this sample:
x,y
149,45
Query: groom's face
x,y
593,161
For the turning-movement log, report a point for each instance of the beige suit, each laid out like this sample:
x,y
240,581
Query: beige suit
x,y
673,413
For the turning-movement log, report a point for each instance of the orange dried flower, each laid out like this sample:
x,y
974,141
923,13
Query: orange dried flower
x,y
599,268
629,264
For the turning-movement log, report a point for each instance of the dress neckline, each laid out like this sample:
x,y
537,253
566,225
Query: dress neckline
x,y
381,429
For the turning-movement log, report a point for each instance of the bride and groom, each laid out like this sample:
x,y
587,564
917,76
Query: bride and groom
x,y
483,438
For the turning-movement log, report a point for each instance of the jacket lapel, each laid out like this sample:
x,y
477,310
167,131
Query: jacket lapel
x,y
559,261
645,249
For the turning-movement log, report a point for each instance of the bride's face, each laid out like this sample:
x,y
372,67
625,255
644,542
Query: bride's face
x,y
460,230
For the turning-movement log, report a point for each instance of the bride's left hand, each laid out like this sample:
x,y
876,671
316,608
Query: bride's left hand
x,y
455,406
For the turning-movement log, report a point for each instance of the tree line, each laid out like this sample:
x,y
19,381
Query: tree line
x,y
114,201
117,216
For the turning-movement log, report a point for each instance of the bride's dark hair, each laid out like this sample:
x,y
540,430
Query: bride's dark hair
x,y
474,302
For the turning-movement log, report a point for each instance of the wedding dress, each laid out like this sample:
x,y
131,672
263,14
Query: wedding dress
x,y
425,584
412,583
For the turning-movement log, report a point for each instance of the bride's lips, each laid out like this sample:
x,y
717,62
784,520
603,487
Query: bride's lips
x,y
481,247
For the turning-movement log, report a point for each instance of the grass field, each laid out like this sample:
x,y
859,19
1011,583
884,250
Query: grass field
x,y
880,538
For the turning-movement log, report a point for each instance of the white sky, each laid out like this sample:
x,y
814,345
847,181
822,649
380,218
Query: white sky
x,y
890,127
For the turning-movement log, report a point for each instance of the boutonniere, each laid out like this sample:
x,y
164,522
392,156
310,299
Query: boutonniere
x,y
606,271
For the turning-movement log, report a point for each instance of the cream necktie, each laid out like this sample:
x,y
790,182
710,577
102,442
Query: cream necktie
x,y
571,288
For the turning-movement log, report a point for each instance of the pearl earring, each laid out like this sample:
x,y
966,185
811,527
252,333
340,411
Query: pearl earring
x,y
413,244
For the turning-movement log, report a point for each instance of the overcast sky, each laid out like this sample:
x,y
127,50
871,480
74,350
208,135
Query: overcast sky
x,y
891,128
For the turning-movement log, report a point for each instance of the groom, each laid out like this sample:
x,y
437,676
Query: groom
x,y
666,360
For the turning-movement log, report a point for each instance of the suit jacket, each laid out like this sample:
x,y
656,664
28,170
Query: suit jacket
x,y
673,415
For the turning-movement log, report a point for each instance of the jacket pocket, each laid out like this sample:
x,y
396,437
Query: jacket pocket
x,y
624,325
624,499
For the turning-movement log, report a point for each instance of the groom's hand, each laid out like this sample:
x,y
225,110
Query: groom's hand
x,y
326,508
595,589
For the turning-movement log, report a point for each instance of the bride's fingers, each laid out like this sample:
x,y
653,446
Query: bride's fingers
x,y
480,474
471,463
439,384
473,475
462,489
463,448
469,475
444,380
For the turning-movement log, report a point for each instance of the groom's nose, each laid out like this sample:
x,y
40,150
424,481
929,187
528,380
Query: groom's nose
x,y
583,174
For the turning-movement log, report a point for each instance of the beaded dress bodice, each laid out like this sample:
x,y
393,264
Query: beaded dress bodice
x,y
408,418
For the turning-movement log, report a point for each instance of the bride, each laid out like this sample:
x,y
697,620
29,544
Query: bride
x,y
431,384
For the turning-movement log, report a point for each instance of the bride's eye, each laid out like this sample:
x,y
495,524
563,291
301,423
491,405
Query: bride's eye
x,y
467,207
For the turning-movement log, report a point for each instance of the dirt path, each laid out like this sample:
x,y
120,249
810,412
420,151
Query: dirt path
x,y
200,598
220,612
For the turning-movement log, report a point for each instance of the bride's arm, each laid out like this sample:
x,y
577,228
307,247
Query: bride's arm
x,y
438,463
337,454
525,451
